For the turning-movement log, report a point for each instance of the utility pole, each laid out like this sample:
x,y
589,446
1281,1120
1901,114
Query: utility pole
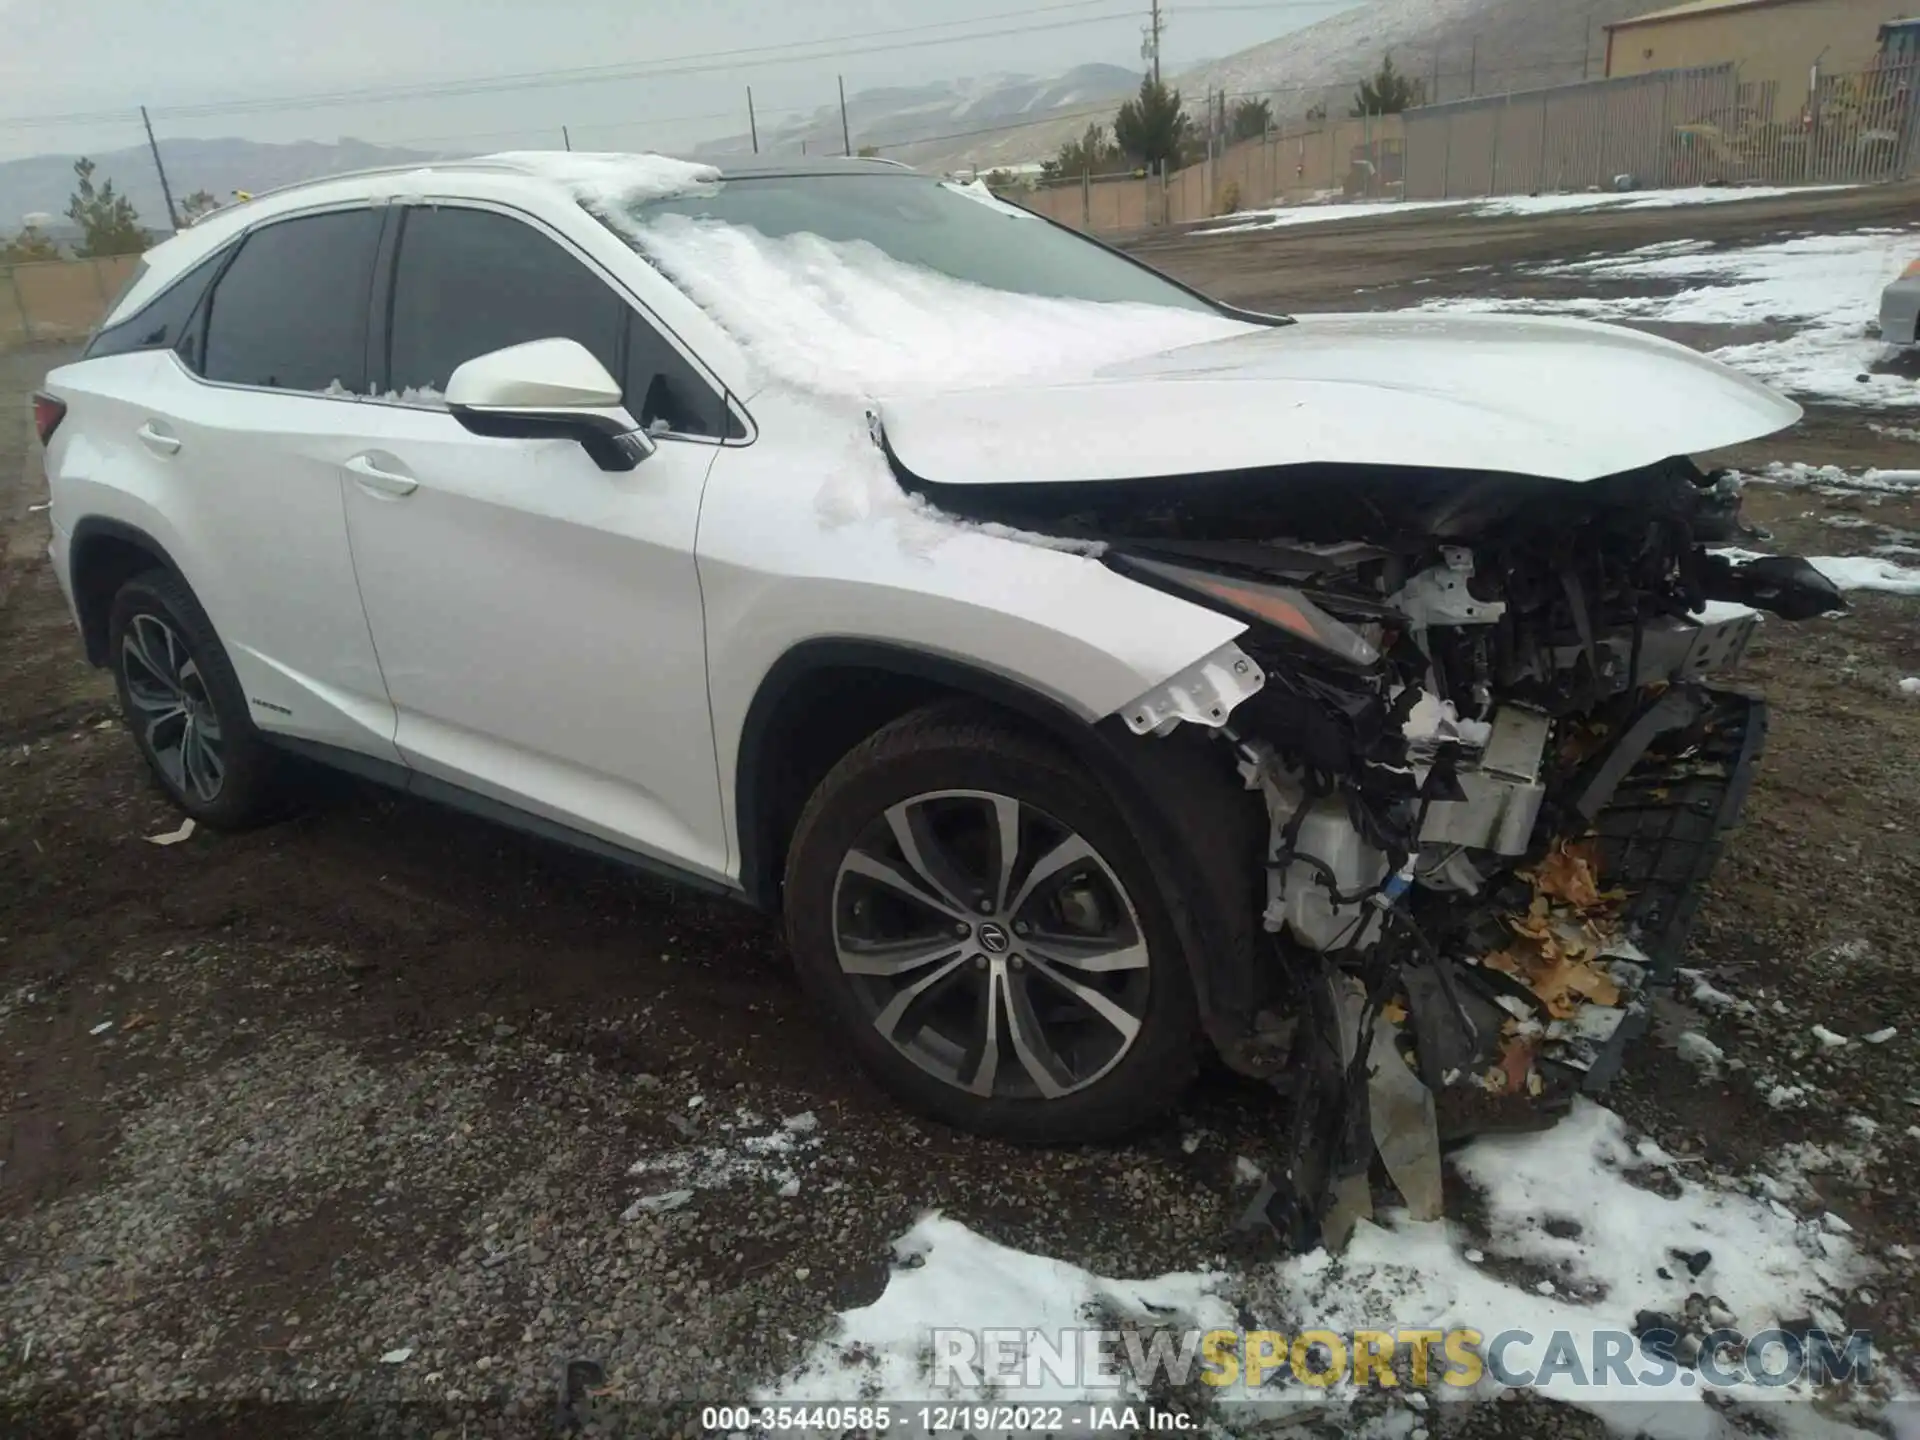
x,y
1433,90
566,137
166,190
1473,69
846,136
1154,32
753,125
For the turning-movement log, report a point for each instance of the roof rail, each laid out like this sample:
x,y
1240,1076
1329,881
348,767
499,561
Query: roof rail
x,y
472,163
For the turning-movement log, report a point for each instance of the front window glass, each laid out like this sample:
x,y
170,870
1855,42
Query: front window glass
x,y
469,282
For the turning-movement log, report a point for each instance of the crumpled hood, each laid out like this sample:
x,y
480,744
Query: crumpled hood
x,y
1561,399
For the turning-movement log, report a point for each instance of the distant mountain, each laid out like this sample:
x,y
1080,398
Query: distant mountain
x,y
925,124
42,183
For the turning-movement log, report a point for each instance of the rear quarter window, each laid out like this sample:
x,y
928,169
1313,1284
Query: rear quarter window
x,y
163,321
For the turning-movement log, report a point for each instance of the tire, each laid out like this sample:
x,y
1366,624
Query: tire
x,y
945,777
206,753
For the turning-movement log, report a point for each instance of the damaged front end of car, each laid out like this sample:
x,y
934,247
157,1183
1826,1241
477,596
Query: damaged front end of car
x,y
1495,772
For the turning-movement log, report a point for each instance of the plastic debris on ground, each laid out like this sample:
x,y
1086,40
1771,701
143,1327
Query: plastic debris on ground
x,y
174,837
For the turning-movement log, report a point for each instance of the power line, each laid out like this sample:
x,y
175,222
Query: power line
x,y
691,64
654,71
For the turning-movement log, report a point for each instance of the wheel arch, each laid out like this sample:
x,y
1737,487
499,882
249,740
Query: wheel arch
x,y
102,555
1179,793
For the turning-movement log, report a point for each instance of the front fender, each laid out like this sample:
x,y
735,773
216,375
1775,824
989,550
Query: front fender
x,y
822,545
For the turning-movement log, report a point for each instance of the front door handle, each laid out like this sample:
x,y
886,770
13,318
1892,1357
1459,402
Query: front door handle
x,y
155,438
388,484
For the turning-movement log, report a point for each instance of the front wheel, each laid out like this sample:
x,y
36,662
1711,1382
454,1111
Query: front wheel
x,y
972,911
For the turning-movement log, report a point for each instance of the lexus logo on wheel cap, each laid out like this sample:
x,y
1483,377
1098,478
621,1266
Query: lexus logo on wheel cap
x,y
993,939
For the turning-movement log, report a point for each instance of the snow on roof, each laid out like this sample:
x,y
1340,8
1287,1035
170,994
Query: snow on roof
x,y
844,317
605,181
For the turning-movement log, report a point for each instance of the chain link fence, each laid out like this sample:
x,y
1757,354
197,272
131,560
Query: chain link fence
x,y
58,299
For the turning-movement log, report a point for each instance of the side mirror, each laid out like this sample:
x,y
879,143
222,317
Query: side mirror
x,y
548,389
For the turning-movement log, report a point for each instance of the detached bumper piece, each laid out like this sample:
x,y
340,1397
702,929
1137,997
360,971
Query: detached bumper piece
x,y
1484,1013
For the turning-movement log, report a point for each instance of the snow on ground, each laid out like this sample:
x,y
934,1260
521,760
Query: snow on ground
x,y
754,1152
1280,216
1849,572
1285,215
1868,572
1827,287
1642,199
1831,479
844,317
1578,1224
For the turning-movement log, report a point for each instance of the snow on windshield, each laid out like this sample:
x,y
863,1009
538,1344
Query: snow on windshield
x,y
844,317
605,182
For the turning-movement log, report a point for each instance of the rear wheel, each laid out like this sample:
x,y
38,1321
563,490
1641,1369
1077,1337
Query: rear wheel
x,y
184,705
973,912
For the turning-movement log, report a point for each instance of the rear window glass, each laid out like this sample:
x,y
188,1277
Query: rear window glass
x,y
291,311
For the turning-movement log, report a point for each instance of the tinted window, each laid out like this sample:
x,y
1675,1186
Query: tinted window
x,y
291,311
163,320
473,281
663,389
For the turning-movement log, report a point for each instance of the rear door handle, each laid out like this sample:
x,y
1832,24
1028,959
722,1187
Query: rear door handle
x,y
154,436
388,484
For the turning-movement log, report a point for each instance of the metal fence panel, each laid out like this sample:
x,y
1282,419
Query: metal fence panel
x,y
1569,137
58,299
1674,127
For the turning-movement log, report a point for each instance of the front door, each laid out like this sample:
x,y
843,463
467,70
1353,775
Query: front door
x,y
538,619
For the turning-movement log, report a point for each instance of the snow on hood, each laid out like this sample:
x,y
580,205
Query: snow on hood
x,y
607,183
1563,399
846,318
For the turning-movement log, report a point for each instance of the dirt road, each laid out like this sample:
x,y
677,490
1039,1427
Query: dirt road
x,y
369,1083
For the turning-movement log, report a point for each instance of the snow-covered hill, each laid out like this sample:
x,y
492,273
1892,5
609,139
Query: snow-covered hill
x,y
1476,46
933,120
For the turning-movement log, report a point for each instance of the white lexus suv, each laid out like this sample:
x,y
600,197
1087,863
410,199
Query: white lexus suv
x,y
1090,672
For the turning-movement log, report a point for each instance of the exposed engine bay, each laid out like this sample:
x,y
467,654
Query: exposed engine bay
x,y
1474,708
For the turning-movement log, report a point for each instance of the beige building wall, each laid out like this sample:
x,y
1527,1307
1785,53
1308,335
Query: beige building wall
x,y
1774,42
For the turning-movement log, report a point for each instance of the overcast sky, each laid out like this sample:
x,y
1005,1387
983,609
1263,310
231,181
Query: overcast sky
x,y
77,58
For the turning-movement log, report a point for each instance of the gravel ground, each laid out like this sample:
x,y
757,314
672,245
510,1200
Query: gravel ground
x,y
332,1127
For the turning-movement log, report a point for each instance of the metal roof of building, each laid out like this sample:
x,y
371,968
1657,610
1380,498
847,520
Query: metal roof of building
x,y
1692,8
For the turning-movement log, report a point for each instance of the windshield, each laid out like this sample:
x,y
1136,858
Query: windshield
x,y
958,231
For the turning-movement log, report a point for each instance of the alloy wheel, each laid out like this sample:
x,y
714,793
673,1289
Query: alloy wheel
x,y
991,944
172,709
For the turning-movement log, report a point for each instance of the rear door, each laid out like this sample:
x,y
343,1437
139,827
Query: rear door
x,y
250,418
538,619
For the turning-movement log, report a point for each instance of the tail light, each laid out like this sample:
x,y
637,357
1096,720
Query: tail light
x,y
47,415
